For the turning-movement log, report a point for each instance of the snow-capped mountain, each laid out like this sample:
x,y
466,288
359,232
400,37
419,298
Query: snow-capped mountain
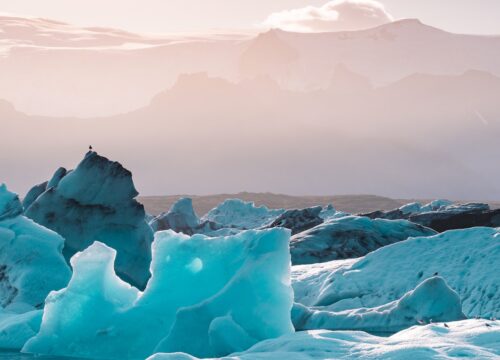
x,y
98,71
445,126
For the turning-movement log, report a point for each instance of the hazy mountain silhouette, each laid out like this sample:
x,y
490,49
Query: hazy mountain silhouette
x,y
100,72
423,136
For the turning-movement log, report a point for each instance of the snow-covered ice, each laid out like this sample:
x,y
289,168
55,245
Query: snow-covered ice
x,y
474,339
430,301
17,328
31,262
349,237
467,259
32,265
96,201
10,205
180,218
241,214
298,220
207,296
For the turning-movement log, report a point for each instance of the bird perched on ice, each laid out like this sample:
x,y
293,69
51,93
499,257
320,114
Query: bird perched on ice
x,y
90,148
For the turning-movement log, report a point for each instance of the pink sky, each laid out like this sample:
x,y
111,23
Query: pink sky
x,y
463,16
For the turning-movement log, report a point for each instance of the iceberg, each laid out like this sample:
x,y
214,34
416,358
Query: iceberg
x,y
96,201
30,256
34,193
236,213
474,339
10,205
431,301
459,217
298,220
349,237
329,212
206,296
182,218
467,259
443,215
39,189
17,328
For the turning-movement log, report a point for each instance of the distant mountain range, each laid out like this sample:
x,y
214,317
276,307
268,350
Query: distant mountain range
x,y
424,136
55,69
403,110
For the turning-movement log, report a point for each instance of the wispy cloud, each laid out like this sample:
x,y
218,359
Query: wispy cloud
x,y
336,15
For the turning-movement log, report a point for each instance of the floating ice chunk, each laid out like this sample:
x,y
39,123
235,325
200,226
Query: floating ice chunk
x,y
241,214
474,339
96,202
329,212
56,178
206,296
411,208
10,205
180,218
430,301
298,220
349,237
436,205
31,263
16,329
34,193
467,259
39,189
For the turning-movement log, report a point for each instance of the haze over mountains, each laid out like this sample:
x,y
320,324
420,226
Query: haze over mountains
x,y
403,110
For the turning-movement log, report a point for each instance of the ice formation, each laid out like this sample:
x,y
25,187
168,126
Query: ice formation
x,y
96,202
474,339
430,301
241,214
17,328
467,259
442,215
31,263
10,205
459,217
349,237
329,212
34,193
180,218
206,296
39,189
298,220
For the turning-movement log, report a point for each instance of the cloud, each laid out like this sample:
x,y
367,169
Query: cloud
x,y
336,15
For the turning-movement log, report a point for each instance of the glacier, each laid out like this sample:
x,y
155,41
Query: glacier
x,y
96,201
349,237
467,259
228,293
